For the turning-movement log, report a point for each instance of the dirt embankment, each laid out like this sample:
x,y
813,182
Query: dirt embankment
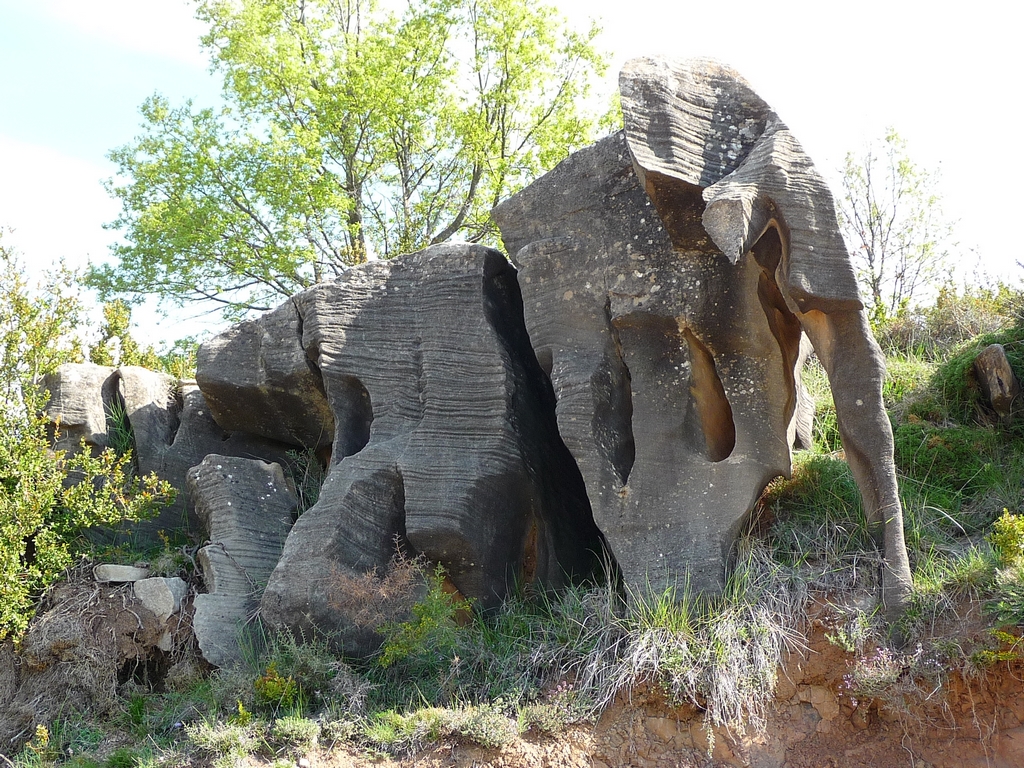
x,y
975,722
79,653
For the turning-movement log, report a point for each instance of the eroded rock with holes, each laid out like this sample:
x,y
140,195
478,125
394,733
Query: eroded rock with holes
x,y
667,273
247,508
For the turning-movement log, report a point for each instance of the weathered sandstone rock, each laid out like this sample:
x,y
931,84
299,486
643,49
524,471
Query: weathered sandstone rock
x,y
667,274
171,428
76,405
998,383
247,508
445,442
257,378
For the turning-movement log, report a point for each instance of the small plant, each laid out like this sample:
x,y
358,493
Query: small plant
x,y
1008,649
1007,538
1007,603
225,742
242,716
274,690
399,734
307,474
485,724
296,732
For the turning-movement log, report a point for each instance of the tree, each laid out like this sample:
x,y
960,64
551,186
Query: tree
x,y
346,132
891,215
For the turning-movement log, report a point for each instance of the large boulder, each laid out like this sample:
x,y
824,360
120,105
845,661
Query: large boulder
x,y
445,441
257,378
667,274
76,409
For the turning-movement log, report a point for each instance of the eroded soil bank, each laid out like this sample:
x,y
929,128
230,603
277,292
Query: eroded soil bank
x,y
974,721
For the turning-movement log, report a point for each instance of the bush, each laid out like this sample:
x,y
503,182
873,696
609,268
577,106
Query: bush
x,y
48,498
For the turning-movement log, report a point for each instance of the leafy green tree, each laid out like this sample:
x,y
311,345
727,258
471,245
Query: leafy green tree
x,y
891,214
117,346
42,514
346,131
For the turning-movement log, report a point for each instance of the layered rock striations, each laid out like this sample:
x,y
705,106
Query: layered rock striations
x,y
668,273
611,405
445,442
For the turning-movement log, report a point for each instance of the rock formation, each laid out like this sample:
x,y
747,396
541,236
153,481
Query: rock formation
x,y
625,395
613,404
667,274
168,423
445,440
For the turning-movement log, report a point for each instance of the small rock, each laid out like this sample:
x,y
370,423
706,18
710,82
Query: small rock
x,y
303,762
119,573
162,596
662,727
997,380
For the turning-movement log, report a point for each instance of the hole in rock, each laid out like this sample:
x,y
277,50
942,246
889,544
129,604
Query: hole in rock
x,y
353,413
711,404
559,541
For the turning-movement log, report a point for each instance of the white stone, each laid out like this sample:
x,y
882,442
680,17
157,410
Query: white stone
x,y
119,573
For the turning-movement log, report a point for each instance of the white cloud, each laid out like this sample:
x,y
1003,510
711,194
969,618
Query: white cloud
x,y
55,204
165,28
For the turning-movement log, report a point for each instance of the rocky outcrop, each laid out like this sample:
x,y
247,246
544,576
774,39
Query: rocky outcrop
x,y
247,508
166,423
445,441
668,272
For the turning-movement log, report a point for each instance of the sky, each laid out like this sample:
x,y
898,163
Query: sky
x,y
73,74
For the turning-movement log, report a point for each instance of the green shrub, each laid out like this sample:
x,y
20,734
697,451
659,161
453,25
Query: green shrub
x,y
275,690
48,498
1007,538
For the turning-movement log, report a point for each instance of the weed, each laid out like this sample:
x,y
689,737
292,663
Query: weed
x,y
296,732
222,740
1007,600
1007,538
486,724
307,474
275,691
398,734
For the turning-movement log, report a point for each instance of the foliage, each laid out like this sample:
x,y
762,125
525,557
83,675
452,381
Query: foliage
x,y
947,464
117,346
347,131
48,498
295,731
1007,538
930,332
891,214
274,690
